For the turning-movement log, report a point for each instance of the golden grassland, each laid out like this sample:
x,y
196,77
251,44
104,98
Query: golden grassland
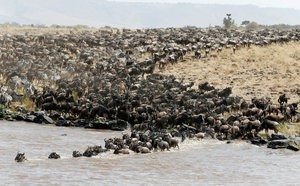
x,y
252,72
256,71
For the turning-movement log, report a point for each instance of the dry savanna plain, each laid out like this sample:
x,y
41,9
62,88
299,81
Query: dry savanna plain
x,y
267,71
252,72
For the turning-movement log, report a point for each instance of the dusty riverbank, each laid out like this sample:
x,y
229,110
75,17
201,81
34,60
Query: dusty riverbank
x,y
183,80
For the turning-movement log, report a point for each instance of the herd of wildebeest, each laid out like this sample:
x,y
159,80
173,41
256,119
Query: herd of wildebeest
x,y
106,79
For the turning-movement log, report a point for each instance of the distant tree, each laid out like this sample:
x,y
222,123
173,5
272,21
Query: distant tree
x,y
228,22
246,22
15,24
80,26
55,26
252,26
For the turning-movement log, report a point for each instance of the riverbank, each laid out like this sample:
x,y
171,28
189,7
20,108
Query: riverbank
x,y
142,80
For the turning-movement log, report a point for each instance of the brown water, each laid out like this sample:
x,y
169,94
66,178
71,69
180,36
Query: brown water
x,y
205,162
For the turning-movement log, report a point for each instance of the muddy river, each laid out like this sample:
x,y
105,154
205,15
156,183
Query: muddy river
x,y
207,162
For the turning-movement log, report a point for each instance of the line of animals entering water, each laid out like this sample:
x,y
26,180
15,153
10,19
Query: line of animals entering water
x,y
261,115
157,131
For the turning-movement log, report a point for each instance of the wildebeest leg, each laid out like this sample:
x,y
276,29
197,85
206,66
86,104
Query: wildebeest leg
x,y
266,130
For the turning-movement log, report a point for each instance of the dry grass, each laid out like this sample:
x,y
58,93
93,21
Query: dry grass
x,y
26,103
15,30
258,71
29,104
297,129
292,129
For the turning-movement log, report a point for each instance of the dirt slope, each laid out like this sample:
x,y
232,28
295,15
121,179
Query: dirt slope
x,y
257,71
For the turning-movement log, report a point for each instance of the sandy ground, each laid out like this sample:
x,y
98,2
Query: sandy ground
x,y
257,71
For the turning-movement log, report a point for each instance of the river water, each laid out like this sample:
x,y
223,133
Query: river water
x,y
207,162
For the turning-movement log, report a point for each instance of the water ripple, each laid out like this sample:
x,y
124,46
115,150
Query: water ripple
x,y
207,162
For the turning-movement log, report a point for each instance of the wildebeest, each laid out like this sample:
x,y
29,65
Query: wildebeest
x,y
5,99
93,151
197,54
171,141
121,151
76,154
268,124
289,110
20,157
200,135
143,150
53,155
161,144
283,99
